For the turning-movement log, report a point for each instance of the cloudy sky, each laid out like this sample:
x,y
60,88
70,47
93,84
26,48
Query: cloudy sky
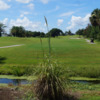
x,y
63,14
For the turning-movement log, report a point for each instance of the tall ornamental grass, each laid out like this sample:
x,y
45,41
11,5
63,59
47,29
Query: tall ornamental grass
x,y
49,85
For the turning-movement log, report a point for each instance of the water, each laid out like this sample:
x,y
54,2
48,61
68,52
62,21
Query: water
x,y
86,81
13,81
23,81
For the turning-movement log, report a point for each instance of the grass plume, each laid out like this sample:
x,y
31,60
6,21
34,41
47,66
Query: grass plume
x,y
49,84
49,38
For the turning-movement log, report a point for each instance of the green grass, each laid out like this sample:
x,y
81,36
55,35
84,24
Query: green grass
x,y
86,91
79,57
28,54
67,51
91,98
84,78
30,78
13,77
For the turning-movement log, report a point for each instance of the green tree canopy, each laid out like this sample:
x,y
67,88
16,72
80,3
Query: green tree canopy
x,y
95,17
55,32
68,32
18,31
80,32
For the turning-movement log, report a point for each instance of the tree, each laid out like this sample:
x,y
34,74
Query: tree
x,y
87,31
98,36
80,32
42,34
95,21
55,32
68,32
18,31
2,26
93,30
95,17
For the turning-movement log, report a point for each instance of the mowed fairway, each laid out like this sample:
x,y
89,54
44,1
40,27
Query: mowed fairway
x,y
75,54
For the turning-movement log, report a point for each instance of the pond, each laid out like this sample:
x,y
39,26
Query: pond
x,y
14,81
87,81
23,81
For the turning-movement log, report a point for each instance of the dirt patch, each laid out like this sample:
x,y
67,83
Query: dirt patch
x,y
75,38
10,94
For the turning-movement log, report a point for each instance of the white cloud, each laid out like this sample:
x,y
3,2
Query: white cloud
x,y
3,5
59,22
5,21
24,13
24,1
25,22
67,14
44,1
78,22
31,6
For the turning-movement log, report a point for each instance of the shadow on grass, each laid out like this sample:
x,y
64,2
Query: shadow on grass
x,y
2,60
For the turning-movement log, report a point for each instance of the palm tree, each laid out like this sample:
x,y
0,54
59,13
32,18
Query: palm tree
x,y
95,21
95,17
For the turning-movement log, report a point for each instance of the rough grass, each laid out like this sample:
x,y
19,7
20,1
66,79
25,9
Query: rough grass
x,y
86,91
78,56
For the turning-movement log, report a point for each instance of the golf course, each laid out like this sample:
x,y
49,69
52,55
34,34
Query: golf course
x,y
77,55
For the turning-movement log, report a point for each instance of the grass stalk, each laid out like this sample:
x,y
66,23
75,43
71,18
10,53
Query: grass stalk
x,y
49,38
42,49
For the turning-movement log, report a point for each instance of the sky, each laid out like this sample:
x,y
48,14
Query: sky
x,y
63,14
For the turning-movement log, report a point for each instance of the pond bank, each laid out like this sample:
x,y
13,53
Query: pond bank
x,y
84,78
18,77
15,80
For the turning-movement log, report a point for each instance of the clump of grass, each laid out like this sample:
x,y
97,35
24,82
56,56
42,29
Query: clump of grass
x,y
49,85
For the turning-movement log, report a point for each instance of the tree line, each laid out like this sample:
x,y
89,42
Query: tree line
x,y
19,31
93,29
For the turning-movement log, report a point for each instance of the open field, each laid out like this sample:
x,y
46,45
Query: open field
x,y
76,55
